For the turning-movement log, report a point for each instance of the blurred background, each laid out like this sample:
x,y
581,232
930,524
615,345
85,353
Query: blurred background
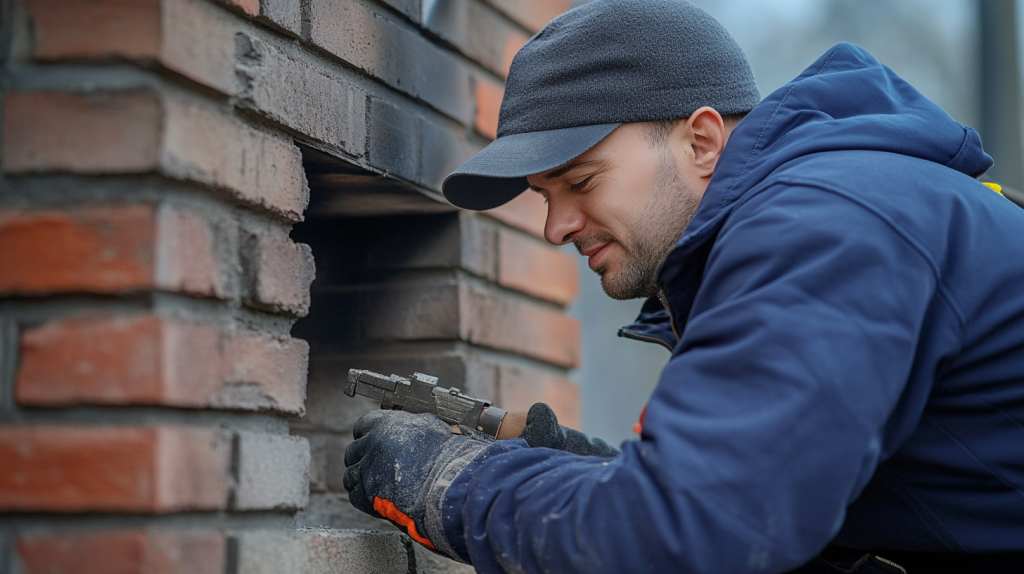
x,y
962,54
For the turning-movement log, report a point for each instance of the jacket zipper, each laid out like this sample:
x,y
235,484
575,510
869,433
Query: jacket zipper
x,y
631,335
671,317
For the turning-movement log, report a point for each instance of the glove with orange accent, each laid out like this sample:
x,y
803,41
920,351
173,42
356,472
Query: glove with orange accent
x,y
400,467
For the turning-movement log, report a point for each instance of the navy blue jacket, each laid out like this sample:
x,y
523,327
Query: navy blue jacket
x,y
849,364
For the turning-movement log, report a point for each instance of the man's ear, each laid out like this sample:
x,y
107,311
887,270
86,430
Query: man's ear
x,y
707,137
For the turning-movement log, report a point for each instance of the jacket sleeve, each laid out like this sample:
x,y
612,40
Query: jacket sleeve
x,y
766,422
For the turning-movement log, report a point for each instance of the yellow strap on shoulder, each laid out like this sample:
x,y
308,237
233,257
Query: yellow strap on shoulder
x,y
994,187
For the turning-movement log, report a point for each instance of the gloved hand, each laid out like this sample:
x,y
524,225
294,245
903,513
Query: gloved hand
x,y
400,467
542,430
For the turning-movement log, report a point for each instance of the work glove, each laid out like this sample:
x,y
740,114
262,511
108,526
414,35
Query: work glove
x,y
400,467
542,430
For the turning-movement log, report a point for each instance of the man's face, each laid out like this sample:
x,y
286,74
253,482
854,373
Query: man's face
x,y
623,204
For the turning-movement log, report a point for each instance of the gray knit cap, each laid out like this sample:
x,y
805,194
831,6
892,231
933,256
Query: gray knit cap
x,y
593,68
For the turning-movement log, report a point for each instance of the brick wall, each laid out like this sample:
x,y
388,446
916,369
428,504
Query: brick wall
x,y
210,211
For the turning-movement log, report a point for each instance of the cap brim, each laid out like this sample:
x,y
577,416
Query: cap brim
x,y
498,173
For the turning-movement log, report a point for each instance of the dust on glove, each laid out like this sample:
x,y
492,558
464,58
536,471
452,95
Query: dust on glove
x,y
400,466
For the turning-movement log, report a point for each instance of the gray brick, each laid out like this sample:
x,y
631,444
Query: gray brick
x,y
321,551
329,409
478,245
394,140
441,151
393,53
429,563
448,19
333,510
273,472
476,30
410,8
285,14
292,91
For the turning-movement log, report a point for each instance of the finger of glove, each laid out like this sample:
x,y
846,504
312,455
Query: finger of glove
x,y
357,494
542,428
367,422
355,451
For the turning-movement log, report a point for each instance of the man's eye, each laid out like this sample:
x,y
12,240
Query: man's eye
x,y
581,185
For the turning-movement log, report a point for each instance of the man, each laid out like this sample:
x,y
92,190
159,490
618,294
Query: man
x,y
843,299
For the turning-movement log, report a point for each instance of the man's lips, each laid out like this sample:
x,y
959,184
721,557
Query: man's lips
x,y
595,254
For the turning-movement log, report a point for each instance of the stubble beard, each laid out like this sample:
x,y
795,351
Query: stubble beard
x,y
651,239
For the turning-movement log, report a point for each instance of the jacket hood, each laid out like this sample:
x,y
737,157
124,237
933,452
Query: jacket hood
x,y
846,100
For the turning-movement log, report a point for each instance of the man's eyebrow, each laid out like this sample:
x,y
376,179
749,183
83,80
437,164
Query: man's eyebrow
x,y
565,168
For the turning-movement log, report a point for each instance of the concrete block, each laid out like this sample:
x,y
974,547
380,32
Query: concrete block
x,y
429,563
409,8
327,458
393,140
273,472
281,84
321,551
333,510
285,14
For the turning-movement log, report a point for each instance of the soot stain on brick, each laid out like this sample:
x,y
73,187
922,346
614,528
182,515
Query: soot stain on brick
x,y
234,469
231,555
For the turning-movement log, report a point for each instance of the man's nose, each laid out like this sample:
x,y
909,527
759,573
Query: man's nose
x,y
563,222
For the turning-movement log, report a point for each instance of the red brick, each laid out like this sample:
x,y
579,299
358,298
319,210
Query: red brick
x,y
541,270
249,7
144,359
521,387
493,320
96,29
122,469
513,43
190,37
203,144
527,211
113,249
142,131
96,249
284,272
533,14
81,133
488,103
133,551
